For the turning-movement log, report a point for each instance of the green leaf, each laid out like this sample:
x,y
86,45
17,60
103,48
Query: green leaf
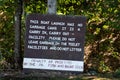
x,y
1,3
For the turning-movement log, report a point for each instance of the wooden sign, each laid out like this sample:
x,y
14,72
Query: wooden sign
x,y
54,42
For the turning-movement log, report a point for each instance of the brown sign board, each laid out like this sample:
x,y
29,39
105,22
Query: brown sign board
x,y
54,42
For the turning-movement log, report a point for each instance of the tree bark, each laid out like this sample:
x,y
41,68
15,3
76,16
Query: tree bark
x,y
17,49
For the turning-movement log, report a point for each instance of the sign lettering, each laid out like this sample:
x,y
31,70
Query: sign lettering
x,y
54,42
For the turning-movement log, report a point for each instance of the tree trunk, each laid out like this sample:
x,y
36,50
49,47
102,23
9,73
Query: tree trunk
x,y
18,14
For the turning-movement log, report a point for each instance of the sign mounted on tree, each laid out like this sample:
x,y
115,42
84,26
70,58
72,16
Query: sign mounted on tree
x,y
54,42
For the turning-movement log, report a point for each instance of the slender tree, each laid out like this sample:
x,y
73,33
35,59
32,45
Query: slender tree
x,y
18,14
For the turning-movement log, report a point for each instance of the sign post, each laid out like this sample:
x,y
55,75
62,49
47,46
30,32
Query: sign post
x,y
54,43
51,6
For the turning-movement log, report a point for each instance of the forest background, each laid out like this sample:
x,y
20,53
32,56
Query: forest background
x,y
102,40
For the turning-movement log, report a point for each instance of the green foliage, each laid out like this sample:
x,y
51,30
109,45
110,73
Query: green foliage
x,y
35,7
117,73
7,30
103,67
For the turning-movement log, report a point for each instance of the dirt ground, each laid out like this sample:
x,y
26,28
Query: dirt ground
x,y
18,75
